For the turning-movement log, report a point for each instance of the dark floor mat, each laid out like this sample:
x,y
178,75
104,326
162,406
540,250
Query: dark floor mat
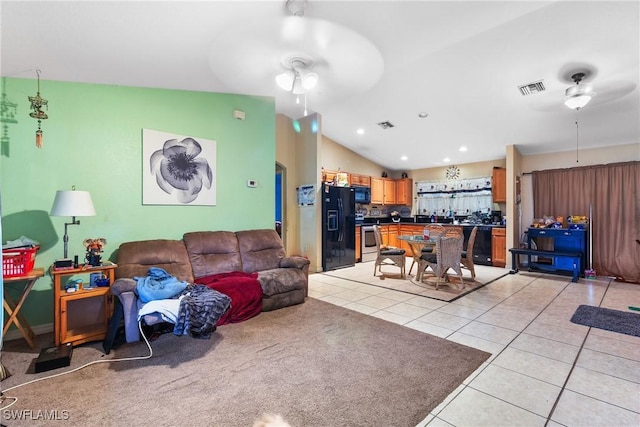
x,y
623,322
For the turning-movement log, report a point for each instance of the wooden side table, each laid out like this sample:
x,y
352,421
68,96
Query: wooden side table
x,y
13,309
83,315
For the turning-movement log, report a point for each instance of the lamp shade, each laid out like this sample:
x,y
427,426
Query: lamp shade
x,y
72,203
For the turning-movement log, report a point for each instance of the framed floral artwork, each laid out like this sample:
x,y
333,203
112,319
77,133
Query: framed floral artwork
x,y
178,169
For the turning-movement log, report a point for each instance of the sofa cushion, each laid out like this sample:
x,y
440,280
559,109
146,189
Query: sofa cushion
x,y
213,252
260,249
281,280
135,258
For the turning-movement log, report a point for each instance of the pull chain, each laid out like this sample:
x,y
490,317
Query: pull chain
x,y
577,135
305,104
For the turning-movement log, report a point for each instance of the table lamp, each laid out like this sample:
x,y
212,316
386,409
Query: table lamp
x,y
71,203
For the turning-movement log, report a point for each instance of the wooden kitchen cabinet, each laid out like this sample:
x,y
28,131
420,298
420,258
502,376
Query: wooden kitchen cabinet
x,y
377,191
383,191
499,185
389,191
384,233
404,191
499,246
393,235
329,176
360,180
408,230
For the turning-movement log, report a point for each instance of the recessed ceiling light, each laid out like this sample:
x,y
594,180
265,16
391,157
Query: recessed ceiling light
x,y
463,148
360,131
404,158
446,160
423,115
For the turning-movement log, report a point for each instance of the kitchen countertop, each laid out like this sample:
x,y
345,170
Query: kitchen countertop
x,y
386,221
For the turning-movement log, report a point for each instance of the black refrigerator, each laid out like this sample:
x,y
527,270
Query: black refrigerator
x,y
338,227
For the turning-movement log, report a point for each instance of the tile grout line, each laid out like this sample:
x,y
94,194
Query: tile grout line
x,y
575,361
500,352
512,340
540,311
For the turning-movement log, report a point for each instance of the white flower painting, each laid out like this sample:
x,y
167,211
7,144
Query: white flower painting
x,y
177,169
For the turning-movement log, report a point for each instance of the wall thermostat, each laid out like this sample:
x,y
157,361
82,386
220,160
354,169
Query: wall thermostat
x,y
252,183
238,114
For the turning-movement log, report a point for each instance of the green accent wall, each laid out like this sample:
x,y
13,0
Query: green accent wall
x,y
93,141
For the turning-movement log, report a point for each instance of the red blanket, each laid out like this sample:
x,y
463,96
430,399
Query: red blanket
x,y
243,289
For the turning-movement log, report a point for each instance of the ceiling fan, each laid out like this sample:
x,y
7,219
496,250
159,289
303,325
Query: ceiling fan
x,y
293,47
583,88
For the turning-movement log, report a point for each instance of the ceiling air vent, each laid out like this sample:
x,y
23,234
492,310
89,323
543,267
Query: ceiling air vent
x,y
530,88
385,125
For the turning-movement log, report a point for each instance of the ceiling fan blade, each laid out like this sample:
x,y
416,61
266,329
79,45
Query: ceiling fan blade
x,y
605,92
345,61
611,91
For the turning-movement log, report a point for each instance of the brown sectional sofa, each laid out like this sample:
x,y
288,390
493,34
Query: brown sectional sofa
x,y
283,279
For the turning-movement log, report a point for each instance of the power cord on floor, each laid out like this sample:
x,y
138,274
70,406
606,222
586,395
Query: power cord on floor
x,y
15,399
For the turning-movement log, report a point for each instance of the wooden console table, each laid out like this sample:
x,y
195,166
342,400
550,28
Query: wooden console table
x,y
13,308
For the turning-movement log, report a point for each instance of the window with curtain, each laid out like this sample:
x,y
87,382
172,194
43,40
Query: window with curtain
x,y
611,193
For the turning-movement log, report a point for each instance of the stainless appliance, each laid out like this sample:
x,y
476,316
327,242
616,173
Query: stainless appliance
x,y
338,227
368,249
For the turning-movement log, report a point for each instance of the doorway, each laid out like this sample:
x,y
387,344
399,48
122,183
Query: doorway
x,y
280,200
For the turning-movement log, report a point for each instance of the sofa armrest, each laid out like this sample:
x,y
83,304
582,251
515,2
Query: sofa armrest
x,y
300,262
124,289
294,262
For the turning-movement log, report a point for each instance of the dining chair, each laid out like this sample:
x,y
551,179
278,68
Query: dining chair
x,y
466,257
435,230
453,231
446,256
387,255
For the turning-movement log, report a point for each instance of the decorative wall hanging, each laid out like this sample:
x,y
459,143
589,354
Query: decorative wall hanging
x,y
452,172
177,169
36,105
306,195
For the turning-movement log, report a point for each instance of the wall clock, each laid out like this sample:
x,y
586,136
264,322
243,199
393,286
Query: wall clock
x,y
453,172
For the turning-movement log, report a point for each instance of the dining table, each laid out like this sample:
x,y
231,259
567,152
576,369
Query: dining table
x,y
416,243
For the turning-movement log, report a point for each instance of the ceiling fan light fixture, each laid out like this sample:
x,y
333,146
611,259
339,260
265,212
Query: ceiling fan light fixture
x,y
578,96
285,80
575,102
298,88
309,80
298,78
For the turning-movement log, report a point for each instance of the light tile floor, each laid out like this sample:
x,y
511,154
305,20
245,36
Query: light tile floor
x,y
544,370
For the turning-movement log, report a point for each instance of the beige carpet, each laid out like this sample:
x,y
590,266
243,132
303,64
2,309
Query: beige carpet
x,y
390,279
316,364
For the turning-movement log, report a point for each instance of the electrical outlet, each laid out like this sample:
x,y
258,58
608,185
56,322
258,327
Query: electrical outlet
x,y
252,183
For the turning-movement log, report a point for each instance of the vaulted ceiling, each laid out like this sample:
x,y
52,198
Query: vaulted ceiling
x,y
460,62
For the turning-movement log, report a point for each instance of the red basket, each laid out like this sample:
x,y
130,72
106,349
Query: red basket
x,y
18,261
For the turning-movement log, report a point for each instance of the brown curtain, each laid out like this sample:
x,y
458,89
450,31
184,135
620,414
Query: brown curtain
x,y
613,192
